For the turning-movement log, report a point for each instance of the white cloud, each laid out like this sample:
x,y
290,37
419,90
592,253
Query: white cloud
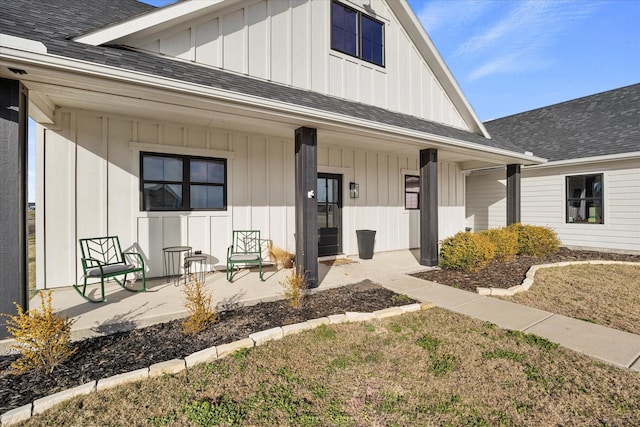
x,y
436,15
522,38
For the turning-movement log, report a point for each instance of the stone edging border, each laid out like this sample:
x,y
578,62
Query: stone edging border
x,y
207,355
531,273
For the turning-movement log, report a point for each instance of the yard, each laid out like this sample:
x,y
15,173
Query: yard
x,y
434,367
427,368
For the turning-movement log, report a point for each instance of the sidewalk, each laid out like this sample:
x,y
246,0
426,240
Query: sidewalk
x,y
609,345
164,301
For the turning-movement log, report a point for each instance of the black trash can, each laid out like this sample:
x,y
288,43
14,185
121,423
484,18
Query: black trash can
x,y
366,239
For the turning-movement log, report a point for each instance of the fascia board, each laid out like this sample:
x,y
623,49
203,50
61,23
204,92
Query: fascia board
x,y
416,31
166,16
635,155
250,102
18,43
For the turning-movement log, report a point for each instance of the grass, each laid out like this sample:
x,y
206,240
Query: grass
x,y
427,368
608,295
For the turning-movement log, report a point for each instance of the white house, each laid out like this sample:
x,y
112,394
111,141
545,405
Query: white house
x,y
589,190
177,125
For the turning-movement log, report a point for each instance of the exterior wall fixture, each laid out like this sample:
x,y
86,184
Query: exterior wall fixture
x,y
354,190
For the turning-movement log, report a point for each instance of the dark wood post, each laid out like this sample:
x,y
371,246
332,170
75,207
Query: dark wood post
x,y
306,205
13,198
513,194
429,207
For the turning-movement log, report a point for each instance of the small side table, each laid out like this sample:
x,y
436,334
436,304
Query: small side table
x,y
195,265
173,262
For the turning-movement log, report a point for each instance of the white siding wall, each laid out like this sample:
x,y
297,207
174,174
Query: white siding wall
x,y
288,42
543,203
91,188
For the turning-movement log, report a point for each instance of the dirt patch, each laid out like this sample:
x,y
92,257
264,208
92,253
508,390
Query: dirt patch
x,y
105,356
504,275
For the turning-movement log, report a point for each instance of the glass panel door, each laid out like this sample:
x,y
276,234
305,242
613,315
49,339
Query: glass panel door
x,y
329,198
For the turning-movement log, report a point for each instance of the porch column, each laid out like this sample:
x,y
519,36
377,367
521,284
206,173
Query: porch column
x,y
306,206
13,198
429,207
513,194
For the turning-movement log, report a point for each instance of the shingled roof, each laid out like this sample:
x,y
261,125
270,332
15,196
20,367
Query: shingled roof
x,y
56,22
597,125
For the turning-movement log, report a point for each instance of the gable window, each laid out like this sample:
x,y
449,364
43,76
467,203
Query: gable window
x,y
411,192
584,199
357,34
182,183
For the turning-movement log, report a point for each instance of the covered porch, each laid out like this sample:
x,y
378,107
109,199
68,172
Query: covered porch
x,y
164,301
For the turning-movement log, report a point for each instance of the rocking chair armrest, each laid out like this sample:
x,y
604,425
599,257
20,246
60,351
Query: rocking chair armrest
x,y
98,263
140,259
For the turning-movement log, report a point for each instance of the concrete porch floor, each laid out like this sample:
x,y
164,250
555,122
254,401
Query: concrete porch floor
x,y
164,301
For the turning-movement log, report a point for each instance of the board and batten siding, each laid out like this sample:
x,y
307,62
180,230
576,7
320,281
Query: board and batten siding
x,y
89,187
543,202
288,42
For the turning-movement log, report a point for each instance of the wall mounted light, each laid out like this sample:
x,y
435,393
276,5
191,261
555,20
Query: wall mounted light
x,y
354,190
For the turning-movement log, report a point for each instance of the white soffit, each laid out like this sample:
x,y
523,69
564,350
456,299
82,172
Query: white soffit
x,y
155,20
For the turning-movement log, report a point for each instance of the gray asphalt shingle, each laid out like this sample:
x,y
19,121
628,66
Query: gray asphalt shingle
x,y
597,125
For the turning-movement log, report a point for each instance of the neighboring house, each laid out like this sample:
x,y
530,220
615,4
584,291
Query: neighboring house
x,y
589,190
176,125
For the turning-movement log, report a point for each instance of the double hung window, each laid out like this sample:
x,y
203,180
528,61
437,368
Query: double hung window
x,y
411,192
585,199
357,34
182,183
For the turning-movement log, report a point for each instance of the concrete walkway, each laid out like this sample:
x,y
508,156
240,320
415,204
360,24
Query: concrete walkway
x,y
164,302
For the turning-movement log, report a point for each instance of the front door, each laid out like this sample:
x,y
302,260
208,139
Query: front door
x,y
329,197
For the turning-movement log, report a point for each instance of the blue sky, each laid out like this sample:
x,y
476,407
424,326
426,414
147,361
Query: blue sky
x,y
510,56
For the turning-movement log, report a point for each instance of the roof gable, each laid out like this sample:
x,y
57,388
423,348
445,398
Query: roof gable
x,y
260,38
603,124
23,19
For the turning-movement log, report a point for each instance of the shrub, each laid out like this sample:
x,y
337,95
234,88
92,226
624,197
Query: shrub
x,y
43,337
466,251
198,304
505,240
294,287
535,240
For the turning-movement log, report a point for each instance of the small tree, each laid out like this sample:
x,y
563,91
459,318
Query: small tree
x,y
42,337
198,304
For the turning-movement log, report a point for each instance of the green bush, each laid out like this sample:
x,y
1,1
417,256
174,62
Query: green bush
x,y
506,242
535,240
466,251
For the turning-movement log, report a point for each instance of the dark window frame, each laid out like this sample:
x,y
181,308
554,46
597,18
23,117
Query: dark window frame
x,y
577,204
185,183
417,192
359,35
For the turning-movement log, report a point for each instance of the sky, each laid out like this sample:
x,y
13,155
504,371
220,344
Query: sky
x,y
511,56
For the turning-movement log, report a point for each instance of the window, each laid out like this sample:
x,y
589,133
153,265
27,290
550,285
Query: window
x,y
356,34
182,183
584,199
411,192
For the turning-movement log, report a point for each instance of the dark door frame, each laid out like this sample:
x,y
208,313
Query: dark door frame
x,y
321,237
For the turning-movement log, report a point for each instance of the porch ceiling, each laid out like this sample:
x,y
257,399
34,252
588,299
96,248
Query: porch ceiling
x,y
54,89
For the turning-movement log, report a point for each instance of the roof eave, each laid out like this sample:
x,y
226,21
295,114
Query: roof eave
x,y
426,47
250,102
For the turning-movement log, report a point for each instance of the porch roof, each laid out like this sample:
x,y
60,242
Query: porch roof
x,y
55,23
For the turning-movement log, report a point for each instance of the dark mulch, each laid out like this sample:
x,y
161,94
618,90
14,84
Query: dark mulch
x,y
105,356
511,273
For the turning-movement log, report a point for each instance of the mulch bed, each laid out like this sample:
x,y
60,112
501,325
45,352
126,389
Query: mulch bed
x,y
511,273
105,356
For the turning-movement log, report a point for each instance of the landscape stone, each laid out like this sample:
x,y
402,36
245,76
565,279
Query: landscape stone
x,y
127,377
172,366
227,349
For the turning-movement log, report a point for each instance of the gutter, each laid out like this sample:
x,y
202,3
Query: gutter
x,y
32,53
